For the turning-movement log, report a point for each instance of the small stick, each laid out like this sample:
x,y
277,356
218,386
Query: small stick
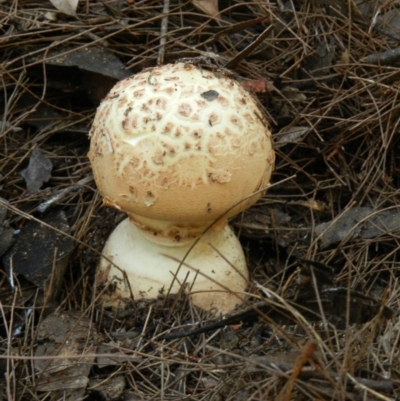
x,y
306,353
164,28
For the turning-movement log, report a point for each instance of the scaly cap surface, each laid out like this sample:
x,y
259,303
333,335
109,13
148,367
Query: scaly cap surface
x,y
181,144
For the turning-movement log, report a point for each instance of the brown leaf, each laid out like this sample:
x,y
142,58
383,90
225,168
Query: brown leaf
x,y
209,7
66,6
257,86
68,340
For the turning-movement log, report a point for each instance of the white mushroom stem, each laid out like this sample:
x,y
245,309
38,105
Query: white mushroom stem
x,y
214,270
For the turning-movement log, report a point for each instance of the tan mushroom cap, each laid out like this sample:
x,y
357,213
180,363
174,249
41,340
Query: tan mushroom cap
x,y
181,144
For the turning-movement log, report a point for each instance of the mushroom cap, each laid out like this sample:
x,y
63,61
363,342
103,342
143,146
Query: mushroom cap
x,y
180,143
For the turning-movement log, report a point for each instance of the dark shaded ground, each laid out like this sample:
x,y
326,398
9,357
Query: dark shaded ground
x,y
322,245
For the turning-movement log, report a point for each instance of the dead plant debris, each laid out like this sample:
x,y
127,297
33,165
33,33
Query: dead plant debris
x,y
322,317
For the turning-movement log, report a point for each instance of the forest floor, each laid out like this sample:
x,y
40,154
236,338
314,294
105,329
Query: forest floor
x,y
321,321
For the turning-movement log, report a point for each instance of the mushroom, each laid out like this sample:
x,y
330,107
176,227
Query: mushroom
x,y
180,149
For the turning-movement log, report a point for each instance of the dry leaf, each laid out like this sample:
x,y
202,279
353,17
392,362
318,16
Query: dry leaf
x,y
68,336
34,256
359,222
257,86
290,135
37,172
66,6
209,7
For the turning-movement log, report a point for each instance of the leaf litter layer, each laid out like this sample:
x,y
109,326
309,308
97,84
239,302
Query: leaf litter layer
x,y
321,319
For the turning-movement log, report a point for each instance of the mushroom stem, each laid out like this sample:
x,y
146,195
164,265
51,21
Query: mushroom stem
x,y
214,267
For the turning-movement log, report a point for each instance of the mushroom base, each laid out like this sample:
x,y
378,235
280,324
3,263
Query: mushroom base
x,y
215,269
